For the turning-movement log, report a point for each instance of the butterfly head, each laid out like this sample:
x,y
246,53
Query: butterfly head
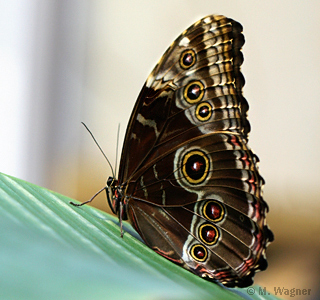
x,y
115,198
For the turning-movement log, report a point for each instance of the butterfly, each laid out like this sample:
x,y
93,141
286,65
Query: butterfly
x,y
188,182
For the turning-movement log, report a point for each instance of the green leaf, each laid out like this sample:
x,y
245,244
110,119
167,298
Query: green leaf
x,y
53,250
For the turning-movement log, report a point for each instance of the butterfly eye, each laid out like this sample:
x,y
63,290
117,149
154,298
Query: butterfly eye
x,y
203,111
187,59
213,211
195,166
194,92
209,234
199,252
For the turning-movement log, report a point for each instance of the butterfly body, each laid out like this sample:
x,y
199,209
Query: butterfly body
x,y
188,181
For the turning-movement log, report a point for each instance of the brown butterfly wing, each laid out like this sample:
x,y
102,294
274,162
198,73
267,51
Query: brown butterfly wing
x,y
174,215
191,184
157,119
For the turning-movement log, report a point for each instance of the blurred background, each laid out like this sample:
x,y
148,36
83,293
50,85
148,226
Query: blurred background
x,y
63,62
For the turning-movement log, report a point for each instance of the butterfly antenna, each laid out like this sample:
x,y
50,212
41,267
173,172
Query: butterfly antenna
x,y
99,148
117,148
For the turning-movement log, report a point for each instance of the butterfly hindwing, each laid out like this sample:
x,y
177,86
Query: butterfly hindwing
x,y
227,201
206,247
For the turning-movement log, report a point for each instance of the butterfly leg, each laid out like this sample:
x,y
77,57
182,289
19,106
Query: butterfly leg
x,y
90,200
120,218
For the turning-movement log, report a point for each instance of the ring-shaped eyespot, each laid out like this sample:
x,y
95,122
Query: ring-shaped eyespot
x,y
213,211
195,166
193,92
187,59
198,252
209,234
203,111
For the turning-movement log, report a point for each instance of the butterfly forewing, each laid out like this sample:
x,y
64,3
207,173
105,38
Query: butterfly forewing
x,y
188,180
